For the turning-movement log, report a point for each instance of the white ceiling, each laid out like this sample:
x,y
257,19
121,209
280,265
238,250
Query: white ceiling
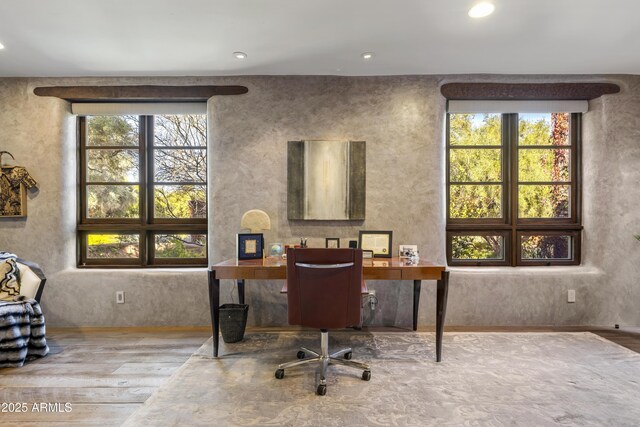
x,y
198,37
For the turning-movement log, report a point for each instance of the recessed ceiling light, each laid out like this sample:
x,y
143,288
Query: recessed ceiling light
x,y
481,10
368,56
240,55
1,46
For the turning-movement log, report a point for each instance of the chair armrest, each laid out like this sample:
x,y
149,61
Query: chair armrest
x,y
37,271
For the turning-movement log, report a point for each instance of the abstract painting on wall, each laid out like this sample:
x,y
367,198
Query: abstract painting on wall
x,y
326,180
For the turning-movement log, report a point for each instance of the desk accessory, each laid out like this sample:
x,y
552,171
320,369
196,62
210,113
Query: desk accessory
x,y
250,246
332,242
408,251
377,241
255,220
276,249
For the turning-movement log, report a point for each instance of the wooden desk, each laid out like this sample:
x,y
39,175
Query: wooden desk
x,y
373,269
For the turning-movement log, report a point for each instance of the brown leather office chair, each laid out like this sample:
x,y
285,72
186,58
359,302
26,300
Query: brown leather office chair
x,y
324,291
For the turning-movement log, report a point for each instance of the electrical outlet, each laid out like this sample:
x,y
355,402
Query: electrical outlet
x,y
571,295
120,297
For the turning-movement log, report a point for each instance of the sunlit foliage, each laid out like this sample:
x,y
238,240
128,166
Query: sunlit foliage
x,y
179,171
476,175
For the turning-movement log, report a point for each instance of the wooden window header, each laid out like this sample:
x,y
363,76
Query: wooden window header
x,y
147,93
527,91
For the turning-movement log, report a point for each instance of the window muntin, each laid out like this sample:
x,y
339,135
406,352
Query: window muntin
x,y
527,184
145,175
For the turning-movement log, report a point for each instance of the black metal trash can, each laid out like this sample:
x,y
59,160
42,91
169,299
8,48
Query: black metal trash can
x,y
233,321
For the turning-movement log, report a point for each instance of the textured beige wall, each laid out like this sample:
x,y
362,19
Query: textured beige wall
x,y
41,133
402,120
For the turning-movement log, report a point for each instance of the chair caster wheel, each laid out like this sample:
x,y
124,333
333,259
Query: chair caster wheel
x,y
301,354
280,374
321,390
348,356
366,375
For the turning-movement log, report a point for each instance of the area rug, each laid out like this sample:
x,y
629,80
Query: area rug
x,y
485,379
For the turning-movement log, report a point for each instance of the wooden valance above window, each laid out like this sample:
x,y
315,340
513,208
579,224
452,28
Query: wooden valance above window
x,y
527,91
145,93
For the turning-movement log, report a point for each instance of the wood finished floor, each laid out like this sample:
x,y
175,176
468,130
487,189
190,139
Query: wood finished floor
x,y
107,373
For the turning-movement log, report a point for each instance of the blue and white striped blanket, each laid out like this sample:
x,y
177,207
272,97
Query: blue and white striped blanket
x,y
22,332
7,255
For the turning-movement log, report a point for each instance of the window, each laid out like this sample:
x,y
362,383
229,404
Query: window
x,y
143,190
513,189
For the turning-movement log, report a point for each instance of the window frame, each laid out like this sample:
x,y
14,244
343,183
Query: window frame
x,y
147,226
509,224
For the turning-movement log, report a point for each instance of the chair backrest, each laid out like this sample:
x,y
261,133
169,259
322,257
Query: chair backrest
x,y
324,287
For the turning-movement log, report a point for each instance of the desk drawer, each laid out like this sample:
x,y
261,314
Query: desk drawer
x,y
261,273
383,274
268,273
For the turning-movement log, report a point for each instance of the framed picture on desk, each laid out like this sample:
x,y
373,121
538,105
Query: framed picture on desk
x,y
250,246
377,241
332,242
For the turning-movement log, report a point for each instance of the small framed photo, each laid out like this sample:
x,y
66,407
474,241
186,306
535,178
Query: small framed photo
x,y
377,241
332,242
250,246
367,254
408,251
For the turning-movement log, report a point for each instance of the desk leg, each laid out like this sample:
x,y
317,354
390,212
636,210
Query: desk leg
x,y
214,306
441,311
240,291
416,302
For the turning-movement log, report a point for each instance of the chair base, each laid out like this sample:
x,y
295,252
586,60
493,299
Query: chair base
x,y
342,357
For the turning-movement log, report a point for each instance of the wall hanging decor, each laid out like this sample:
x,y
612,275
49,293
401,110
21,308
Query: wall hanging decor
x,y
326,180
14,182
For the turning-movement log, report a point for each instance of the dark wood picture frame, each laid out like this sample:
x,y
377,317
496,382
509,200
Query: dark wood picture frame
x,y
383,251
328,242
250,245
